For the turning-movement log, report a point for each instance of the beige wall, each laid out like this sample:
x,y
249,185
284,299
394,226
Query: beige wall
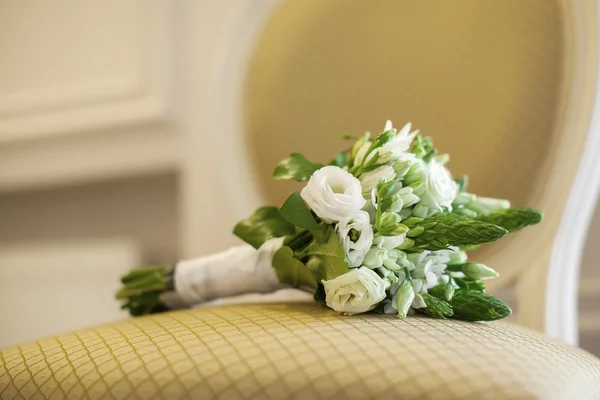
x,y
142,208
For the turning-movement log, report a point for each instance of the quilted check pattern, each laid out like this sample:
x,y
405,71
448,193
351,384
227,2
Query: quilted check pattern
x,y
302,351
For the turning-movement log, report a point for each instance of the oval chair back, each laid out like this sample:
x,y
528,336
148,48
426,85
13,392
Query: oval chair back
x,y
507,88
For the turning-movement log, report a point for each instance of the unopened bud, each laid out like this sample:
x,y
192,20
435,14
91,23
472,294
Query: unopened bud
x,y
449,292
416,231
390,225
478,271
404,298
457,257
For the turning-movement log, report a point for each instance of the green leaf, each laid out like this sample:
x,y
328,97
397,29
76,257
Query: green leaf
x,y
264,224
423,148
142,289
319,295
340,160
471,305
438,291
436,308
462,183
470,284
445,229
327,258
295,167
513,219
291,271
295,211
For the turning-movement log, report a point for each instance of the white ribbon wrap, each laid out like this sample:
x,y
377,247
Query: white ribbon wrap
x,y
239,270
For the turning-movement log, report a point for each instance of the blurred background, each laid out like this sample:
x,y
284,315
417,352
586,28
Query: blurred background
x,y
137,132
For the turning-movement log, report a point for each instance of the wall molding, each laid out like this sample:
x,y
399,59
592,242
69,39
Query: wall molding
x,y
135,150
106,103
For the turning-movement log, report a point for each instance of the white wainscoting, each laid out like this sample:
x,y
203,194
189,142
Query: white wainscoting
x,y
58,286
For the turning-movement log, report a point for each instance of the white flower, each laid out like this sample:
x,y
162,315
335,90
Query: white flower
x,y
370,179
333,194
428,266
375,257
402,141
413,297
356,247
440,190
356,291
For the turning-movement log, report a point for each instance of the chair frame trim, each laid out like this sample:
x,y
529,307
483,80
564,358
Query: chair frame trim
x,y
561,295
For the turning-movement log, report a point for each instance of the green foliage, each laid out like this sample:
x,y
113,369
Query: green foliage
x,y
264,224
471,305
423,148
444,230
299,240
295,211
291,271
296,167
462,182
437,291
340,160
319,295
514,218
436,308
470,284
326,256
142,289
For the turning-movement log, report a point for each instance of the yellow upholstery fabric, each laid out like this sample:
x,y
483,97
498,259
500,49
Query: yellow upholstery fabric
x,y
296,351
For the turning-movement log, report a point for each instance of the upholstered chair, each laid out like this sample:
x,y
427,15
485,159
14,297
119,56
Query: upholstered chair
x,y
507,88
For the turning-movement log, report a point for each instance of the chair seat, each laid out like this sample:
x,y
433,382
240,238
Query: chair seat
x,y
278,351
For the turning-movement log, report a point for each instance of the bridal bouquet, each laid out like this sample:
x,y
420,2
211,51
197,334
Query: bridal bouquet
x,y
383,227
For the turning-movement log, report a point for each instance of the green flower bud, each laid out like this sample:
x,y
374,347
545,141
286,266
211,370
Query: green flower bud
x,y
359,143
375,257
405,213
412,221
478,271
393,203
416,231
407,244
385,137
385,188
392,265
410,199
442,158
464,198
420,211
402,167
480,205
390,225
457,257
404,298
416,175
449,291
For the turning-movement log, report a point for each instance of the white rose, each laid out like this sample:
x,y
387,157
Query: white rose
x,y
333,194
356,247
355,292
440,190
369,180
